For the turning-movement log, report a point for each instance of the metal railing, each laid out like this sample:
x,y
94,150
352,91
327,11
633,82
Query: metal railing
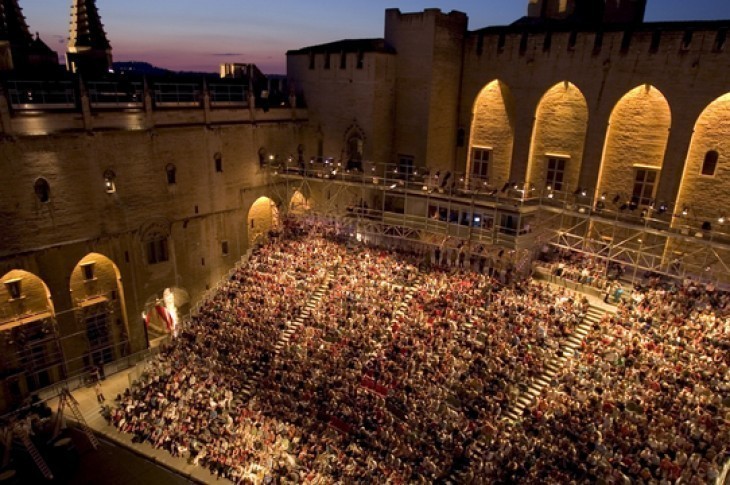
x,y
47,95
116,94
222,95
176,95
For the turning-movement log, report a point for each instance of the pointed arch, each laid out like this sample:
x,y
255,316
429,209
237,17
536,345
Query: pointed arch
x,y
32,354
354,147
22,295
299,204
263,216
492,134
636,140
558,138
706,176
97,294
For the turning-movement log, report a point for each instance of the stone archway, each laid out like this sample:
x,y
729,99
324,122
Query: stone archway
x,y
558,139
633,154
706,178
162,314
97,294
492,134
29,340
299,204
263,216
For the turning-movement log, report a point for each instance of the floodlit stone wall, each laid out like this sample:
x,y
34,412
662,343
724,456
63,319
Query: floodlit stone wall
x,y
560,130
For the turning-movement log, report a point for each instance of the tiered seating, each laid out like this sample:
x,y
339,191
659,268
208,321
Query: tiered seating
x,y
370,369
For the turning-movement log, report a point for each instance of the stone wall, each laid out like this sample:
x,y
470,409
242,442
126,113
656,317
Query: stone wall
x,y
686,68
203,208
346,102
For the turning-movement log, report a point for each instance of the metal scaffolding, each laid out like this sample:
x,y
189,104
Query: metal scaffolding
x,y
386,200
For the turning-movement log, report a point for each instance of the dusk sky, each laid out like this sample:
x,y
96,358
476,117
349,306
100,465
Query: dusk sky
x,y
196,35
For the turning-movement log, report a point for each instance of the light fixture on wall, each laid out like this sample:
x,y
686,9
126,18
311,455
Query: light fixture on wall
x,y
721,219
109,184
685,210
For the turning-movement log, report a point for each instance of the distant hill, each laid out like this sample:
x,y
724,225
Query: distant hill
x,y
141,68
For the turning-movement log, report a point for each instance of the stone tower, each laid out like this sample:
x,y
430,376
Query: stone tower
x,y
589,11
89,51
14,34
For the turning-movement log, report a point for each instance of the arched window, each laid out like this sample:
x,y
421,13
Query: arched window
x,y
171,172
42,190
109,181
709,165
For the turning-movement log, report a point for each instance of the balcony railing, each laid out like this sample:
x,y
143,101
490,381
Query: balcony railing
x,y
171,95
41,95
224,95
116,94
460,186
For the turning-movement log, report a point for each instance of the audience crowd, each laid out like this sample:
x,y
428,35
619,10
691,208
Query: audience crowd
x,y
402,372
645,400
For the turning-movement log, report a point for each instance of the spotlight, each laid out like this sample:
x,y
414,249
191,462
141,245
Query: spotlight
x,y
721,220
551,195
603,196
663,207
549,187
393,186
685,210
584,192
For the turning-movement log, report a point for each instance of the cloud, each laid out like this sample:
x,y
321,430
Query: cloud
x,y
227,54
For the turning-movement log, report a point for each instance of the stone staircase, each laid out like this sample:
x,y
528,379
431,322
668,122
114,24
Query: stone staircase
x,y
553,366
291,328
294,325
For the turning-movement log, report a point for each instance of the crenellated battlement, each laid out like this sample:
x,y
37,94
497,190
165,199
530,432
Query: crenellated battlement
x,y
646,40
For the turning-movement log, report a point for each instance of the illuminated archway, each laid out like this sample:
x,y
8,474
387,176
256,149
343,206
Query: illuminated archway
x,y
299,204
558,138
706,178
98,298
161,314
263,216
636,140
492,134
32,355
